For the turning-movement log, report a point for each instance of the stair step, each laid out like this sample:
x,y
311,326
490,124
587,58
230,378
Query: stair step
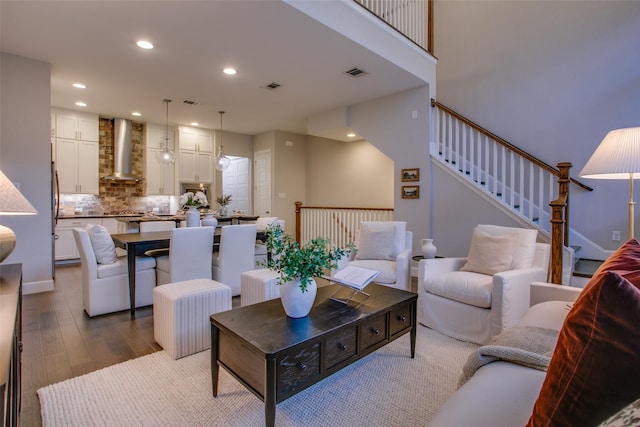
x,y
586,267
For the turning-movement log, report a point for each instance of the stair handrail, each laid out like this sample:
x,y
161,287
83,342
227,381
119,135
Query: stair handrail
x,y
507,144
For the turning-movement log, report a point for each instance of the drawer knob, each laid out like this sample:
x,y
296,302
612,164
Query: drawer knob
x,y
375,331
402,318
302,366
342,347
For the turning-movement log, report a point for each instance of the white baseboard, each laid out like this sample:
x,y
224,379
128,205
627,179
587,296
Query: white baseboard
x,y
37,287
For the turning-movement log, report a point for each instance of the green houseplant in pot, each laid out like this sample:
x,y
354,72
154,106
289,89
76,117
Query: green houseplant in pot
x,y
297,265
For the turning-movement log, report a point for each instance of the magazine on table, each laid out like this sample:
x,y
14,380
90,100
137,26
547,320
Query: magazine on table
x,y
356,277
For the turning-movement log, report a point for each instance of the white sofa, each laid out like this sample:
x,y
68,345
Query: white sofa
x,y
501,393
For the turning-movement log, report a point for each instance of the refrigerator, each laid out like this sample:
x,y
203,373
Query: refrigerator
x,y
55,212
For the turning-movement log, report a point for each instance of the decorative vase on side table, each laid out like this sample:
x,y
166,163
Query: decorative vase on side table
x,y
209,220
193,217
224,211
295,302
428,248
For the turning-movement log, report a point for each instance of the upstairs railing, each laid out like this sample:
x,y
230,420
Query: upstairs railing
x,y
519,181
335,223
411,18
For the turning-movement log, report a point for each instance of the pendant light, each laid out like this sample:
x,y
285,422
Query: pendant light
x,y
221,161
165,156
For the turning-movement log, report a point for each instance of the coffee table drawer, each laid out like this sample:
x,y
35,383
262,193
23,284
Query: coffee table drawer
x,y
298,366
400,319
341,346
373,331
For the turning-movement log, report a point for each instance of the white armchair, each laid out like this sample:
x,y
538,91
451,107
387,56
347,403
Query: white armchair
x,y
457,300
384,246
105,287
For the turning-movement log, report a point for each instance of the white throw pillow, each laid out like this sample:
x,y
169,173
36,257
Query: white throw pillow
x,y
490,254
525,249
103,246
381,239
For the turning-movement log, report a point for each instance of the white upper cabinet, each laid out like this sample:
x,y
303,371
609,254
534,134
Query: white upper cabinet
x,y
159,179
195,155
73,125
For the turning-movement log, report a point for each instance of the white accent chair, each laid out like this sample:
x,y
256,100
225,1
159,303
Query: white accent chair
x,y
157,225
475,298
236,255
384,246
189,256
105,287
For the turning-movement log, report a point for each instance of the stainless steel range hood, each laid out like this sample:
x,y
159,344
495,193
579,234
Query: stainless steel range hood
x,y
122,152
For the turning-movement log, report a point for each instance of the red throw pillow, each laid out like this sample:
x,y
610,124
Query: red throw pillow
x,y
594,369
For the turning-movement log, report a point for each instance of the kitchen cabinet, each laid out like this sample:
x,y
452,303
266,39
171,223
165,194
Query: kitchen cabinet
x,y
159,179
77,165
195,155
73,125
65,244
76,151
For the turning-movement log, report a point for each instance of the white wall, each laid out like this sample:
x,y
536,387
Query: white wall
x,y
551,77
25,157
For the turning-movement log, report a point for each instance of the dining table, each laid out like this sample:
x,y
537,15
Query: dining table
x,y
136,244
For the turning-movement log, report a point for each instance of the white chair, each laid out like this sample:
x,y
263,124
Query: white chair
x,y
105,287
384,246
236,255
157,226
475,298
260,250
189,256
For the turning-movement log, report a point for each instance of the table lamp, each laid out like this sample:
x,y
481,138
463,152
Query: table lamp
x,y
617,157
12,202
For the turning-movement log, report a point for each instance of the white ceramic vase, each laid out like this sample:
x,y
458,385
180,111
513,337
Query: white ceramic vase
x,y
428,248
295,302
209,220
193,217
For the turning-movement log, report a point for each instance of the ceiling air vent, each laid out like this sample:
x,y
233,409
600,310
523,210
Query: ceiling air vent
x,y
272,86
190,102
356,72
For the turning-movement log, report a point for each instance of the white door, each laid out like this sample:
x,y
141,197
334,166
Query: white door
x,y
262,182
235,181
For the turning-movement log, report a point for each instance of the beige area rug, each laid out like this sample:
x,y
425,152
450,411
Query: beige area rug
x,y
385,388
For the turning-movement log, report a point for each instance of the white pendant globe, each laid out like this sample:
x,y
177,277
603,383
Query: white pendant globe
x,y
165,157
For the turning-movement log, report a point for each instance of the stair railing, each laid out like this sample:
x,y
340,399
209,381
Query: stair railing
x,y
518,180
339,224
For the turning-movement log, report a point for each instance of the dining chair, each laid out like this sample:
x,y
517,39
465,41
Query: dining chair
x,y
190,252
236,255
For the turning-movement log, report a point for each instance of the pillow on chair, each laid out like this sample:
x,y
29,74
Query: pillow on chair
x,y
381,240
490,254
525,248
103,246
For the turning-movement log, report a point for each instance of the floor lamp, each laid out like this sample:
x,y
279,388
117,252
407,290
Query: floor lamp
x,y
12,202
617,157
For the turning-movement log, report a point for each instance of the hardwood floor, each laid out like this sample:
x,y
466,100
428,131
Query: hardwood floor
x,y
60,341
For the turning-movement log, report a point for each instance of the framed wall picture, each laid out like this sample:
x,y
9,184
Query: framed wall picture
x,y
410,191
410,175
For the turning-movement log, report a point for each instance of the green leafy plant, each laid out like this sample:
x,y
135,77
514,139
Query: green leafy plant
x,y
292,261
224,200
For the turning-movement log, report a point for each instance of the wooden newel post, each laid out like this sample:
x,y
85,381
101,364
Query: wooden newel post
x,y
563,192
298,221
559,222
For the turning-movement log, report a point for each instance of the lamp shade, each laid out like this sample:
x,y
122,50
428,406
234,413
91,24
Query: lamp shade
x,y
617,156
12,202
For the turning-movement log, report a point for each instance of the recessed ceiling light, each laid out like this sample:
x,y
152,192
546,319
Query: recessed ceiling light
x,y
351,135
144,44
195,124
229,71
79,86
81,104
135,113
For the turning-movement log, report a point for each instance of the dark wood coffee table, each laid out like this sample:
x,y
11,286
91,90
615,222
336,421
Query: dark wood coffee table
x,y
276,356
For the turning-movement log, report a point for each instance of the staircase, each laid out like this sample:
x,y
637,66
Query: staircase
x,y
516,182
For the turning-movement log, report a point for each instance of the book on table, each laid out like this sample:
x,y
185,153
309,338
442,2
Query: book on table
x,y
355,277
